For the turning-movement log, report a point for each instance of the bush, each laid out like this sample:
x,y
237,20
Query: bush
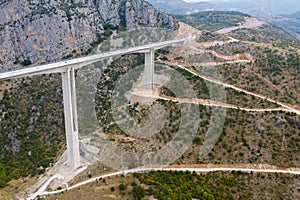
x,y
3,176
26,62
138,192
197,140
122,186
133,184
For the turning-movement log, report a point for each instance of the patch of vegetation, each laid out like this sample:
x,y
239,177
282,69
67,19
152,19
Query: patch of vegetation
x,y
213,20
250,137
137,112
241,99
107,84
274,74
289,23
266,34
218,185
190,185
138,192
27,145
26,62
186,185
208,36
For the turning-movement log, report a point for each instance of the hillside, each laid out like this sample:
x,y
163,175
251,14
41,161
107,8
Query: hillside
x,y
276,14
260,68
274,73
255,8
290,23
32,32
186,185
180,7
213,20
295,15
259,8
243,92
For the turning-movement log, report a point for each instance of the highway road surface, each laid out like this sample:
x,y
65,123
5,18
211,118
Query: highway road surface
x,y
80,62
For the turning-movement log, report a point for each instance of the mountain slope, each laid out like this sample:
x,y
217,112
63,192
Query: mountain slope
x,y
31,121
295,15
257,8
43,31
179,7
248,138
213,20
260,8
290,23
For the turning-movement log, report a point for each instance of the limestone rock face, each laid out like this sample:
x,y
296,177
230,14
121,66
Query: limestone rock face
x,y
48,30
133,13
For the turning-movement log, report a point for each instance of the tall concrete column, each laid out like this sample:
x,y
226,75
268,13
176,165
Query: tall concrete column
x,y
71,124
149,70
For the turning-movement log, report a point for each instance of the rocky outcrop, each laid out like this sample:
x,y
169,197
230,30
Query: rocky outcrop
x,y
48,30
133,13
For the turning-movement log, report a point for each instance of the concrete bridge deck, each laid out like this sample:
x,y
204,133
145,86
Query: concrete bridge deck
x,y
77,63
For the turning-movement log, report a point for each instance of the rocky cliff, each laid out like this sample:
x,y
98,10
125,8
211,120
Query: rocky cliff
x,y
47,30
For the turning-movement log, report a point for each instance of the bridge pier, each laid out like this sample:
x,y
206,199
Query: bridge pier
x,y
70,112
148,81
66,68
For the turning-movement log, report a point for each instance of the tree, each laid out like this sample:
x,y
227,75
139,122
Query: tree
x,y
3,176
112,189
138,192
197,140
122,186
26,62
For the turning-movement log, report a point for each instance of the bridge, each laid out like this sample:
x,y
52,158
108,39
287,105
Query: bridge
x,y
67,70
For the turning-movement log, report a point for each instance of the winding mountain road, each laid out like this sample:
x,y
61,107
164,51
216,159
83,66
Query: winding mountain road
x,y
249,23
45,185
205,102
43,192
196,73
286,108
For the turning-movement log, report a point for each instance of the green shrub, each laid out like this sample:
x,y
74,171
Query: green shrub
x,y
138,192
122,186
